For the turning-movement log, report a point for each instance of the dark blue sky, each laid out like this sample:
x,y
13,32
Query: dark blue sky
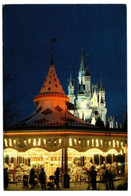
x,y
27,33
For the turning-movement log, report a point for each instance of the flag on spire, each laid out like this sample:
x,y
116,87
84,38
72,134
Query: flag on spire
x,y
53,40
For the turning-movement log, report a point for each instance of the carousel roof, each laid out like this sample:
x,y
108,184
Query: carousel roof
x,y
52,83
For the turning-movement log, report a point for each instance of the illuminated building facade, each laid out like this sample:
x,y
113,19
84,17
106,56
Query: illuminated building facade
x,y
90,101
52,137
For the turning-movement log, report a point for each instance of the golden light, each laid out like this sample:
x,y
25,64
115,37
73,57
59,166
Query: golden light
x,y
70,141
92,142
34,142
112,151
10,142
114,144
97,143
6,144
93,151
59,141
14,141
101,142
29,140
39,141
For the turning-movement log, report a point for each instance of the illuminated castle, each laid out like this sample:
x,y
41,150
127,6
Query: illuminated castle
x,y
90,104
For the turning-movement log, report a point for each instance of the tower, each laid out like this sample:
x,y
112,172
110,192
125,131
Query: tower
x,y
81,76
71,88
87,82
90,102
83,100
102,102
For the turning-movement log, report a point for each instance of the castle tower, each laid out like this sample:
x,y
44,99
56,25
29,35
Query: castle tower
x,y
102,102
81,75
71,88
83,100
87,82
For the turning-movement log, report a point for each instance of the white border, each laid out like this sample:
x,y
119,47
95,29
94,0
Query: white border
x,y
128,2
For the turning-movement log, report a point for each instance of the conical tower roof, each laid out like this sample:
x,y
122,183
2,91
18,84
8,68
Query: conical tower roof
x,y
82,66
51,83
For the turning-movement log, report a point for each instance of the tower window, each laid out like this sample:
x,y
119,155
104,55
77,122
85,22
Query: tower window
x,y
56,85
49,82
49,88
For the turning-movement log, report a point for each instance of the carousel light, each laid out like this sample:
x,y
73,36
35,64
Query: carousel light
x,y
109,143
75,141
88,142
14,141
70,141
44,141
101,142
39,141
65,133
59,141
55,141
112,151
92,142
117,143
114,144
79,141
25,142
29,140
6,143
97,143
34,142
10,142
122,144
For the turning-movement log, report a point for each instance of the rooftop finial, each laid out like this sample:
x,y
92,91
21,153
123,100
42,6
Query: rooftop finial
x,y
101,83
82,59
53,40
87,68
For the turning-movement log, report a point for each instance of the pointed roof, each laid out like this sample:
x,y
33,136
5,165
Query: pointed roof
x,y
82,67
87,68
51,83
71,81
101,83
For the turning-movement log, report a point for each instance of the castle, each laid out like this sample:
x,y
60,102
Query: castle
x,y
90,103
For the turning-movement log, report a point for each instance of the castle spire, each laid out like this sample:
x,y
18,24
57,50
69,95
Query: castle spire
x,y
71,81
101,83
87,68
82,60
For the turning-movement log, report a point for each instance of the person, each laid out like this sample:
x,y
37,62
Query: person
x,y
32,176
57,173
6,179
110,177
93,175
106,178
42,178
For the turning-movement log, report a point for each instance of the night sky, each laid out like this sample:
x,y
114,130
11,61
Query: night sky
x,y
27,33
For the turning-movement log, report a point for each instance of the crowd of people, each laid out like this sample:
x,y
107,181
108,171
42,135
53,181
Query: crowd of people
x,y
41,178
34,179
107,178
